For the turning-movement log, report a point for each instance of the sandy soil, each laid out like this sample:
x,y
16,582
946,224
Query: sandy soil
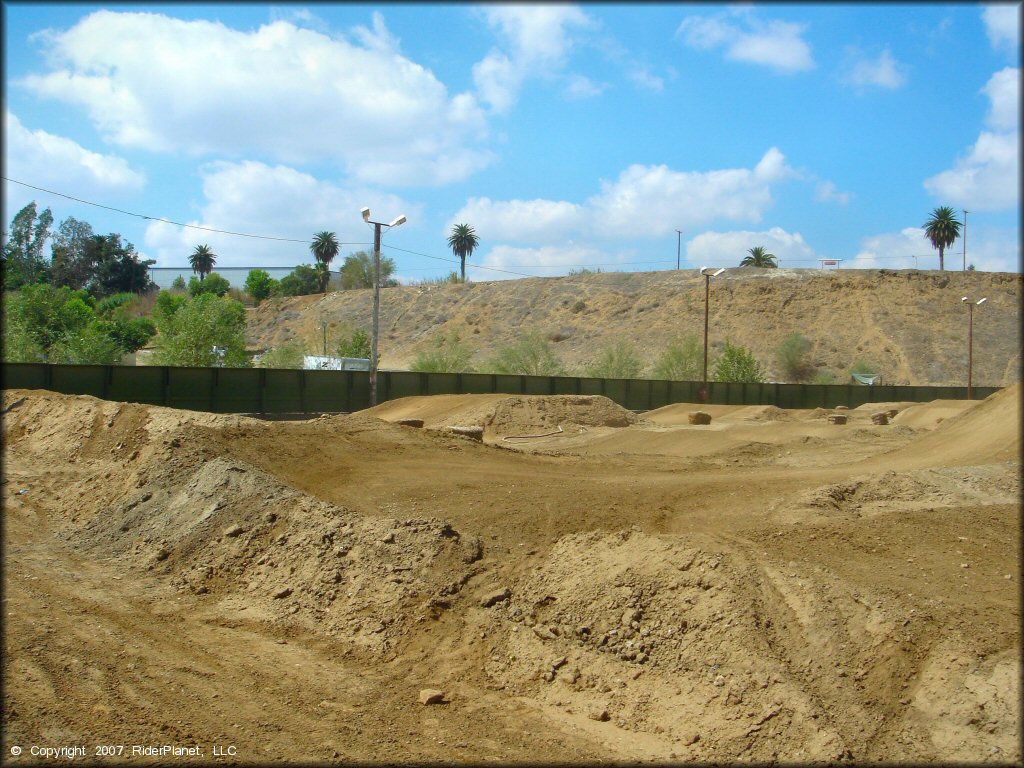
x,y
584,584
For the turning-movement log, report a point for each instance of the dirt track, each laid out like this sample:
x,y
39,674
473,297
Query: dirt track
x,y
767,587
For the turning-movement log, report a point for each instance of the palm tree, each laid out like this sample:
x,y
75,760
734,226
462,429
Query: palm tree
x,y
759,257
942,229
463,242
325,248
202,261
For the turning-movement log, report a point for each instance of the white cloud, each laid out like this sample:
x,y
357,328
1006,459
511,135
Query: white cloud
x,y
544,261
642,78
649,201
43,159
1002,23
580,87
536,41
290,93
988,177
881,72
279,201
727,249
773,43
826,192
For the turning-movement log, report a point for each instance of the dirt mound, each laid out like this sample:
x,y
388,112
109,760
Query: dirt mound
x,y
509,415
766,413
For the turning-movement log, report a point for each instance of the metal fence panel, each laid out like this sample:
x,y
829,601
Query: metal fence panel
x,y
80,379
325,391
144,384
477,383
537,385
26,375
236,390
404,384
283,390
508,385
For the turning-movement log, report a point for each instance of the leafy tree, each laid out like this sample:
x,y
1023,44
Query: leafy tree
x,y
301,281
970,267
445,354
259,285
214,283
202,260
90,345
942,229
324,247
862,367
531,355
463,241
791,357
824,377
617,361
19,344
116,266
179,284
107,307
682,360
71,256
23,262
737,364
290,354
356,345
357,271
193,331
759,257
167,303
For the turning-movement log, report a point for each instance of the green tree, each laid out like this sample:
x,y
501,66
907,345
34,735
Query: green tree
x,y
682,360
737,364
90,345
194,332
202,260
301,281
22,254
324,247
116,266
71,255
463,241
179,284
791,357
617,361
214,283
356,345
759,257
19,344
259,285
531,356
357,271
445,354
942,229
290,354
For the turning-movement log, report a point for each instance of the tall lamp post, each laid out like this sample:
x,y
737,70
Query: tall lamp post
x,y
376,296
965,240
970,341
707,298
679,246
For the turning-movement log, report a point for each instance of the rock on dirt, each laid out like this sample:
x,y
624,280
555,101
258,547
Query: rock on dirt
x,y
431,696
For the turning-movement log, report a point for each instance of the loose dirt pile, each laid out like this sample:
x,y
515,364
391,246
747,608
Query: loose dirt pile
x,y
766,587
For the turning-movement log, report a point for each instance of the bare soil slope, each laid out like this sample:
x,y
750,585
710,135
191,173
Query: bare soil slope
x,y
910,324
766,587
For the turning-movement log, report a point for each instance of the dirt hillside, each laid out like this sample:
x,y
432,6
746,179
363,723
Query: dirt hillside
x,y
910,324
768,587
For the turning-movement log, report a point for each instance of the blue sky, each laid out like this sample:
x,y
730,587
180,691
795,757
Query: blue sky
x,y
568,136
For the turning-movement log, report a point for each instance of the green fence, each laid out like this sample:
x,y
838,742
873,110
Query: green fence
x,y
269,391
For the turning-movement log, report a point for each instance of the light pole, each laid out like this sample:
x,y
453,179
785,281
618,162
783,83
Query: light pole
x,y
970,341
707,298
679,245
965,240
376,296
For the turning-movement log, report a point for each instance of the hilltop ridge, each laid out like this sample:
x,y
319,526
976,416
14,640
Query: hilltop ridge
x,y
911,324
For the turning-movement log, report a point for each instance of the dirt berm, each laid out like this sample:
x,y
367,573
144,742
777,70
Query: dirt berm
x,y
769,587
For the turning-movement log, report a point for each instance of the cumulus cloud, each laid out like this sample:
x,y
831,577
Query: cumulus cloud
x,y
880,72
44,159
1002,23
294,94
727,249
278,201
535,41
544,261
988,176
652,200
827,192
580,87
776,44
990,249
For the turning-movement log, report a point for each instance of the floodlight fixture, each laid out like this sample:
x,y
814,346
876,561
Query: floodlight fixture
x,y
398,222
964,298
982,301
366,214
970,342
716,274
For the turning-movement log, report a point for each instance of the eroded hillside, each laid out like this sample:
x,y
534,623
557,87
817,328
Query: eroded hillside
x,y
910,324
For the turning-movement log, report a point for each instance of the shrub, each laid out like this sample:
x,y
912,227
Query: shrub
x,y
824,377
357,271
682,360
259,285
737,364
531,356
190,333
290,354
213,283
445,354
791,357
616,361
356,345
179,284
301,281
89,345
